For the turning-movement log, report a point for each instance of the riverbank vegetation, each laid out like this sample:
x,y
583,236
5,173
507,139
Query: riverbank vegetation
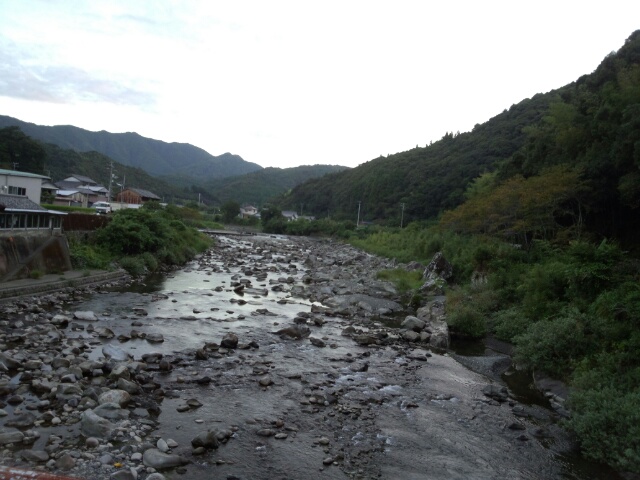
x,y
538,210
143,240
572,310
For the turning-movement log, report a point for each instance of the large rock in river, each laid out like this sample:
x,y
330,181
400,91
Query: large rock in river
x,y
156,459
93,425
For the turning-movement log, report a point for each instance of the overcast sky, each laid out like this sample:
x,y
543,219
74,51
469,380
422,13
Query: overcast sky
x,y
287,83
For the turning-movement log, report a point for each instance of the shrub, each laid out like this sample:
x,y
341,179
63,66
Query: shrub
x,y
36,274
608,425
403,280
133,265
555,344
466,321
150,262
509,323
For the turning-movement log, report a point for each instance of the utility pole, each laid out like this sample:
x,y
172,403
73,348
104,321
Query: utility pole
x,y
358,221
110,181
402,215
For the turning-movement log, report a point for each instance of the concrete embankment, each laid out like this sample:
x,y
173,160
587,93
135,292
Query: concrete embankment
x,y
53,282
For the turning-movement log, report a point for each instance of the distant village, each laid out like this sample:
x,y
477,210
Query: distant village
x,y
22,195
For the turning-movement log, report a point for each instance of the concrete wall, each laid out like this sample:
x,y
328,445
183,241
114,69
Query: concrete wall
x,y
21,255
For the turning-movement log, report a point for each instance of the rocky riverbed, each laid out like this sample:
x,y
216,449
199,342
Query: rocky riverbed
x,y
266,358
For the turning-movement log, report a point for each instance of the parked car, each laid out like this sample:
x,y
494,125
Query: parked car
x,y
102,208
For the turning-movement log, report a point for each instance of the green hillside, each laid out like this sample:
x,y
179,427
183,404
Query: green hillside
x,y
259,187
130,149
29,155
592,124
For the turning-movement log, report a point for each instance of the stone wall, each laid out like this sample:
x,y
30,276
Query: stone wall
x,y
23,254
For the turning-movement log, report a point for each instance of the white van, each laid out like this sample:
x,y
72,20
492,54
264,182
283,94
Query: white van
x,y
102,208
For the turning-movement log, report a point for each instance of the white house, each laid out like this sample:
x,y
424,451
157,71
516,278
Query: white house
x,y
23,184
248,211
290,215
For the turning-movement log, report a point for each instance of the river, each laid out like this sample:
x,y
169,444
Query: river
x,y
292,408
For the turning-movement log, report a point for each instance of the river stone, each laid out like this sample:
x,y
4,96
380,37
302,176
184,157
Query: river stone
x,y
87,316
155,338
365,339
206,440
24,420
129,387
413,323
162,445
230,340
120,397
156,459
65,462
496,392
120,371
104,332
411,336
156,476
295,331
10,435
124,475
34,455
111,411
115,353
93,425
9,362
317,342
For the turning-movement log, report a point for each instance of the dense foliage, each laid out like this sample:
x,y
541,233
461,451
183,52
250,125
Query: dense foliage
x,y
141,240
60,163
19,152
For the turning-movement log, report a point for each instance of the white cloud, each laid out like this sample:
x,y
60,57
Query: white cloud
x,y
285,83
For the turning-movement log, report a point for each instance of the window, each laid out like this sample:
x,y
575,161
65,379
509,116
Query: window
x,y
17,191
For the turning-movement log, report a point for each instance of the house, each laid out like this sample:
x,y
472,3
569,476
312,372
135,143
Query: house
x,y
136,196
290,215
48,190
22,184
19,213
249,211
79,180
86,192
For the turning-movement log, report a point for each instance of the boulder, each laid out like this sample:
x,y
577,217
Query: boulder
x,y
87,316
439,267
205,439
295,331
413,323
230,340
119,397
10,435
111,411
115,353
93,425
154,458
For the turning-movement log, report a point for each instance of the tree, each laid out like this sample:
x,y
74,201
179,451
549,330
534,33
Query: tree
x,y
230,210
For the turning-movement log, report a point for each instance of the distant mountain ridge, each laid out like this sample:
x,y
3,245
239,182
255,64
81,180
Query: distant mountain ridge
x,y
261,186
156,157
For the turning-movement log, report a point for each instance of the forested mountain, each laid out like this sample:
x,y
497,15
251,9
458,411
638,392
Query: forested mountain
x,y
259,187
591,127
29,155
153,156
426,179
